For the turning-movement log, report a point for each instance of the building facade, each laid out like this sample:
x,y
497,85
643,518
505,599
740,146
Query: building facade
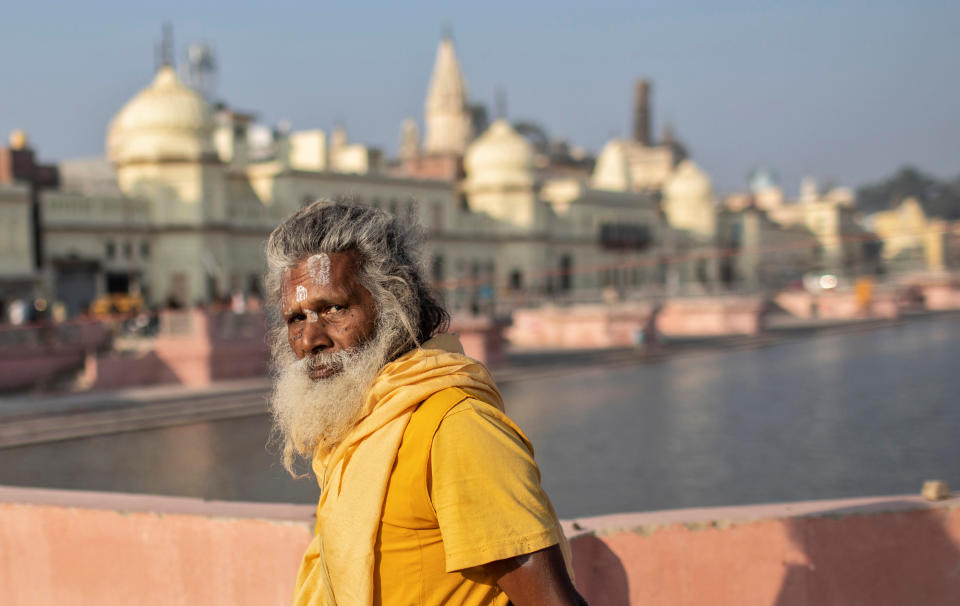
x,y
179,210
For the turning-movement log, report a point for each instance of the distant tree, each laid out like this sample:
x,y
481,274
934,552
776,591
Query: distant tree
x,y
938,198
479,116
535,133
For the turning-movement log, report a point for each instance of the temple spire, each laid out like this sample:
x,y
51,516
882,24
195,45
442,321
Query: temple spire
x,y
449,127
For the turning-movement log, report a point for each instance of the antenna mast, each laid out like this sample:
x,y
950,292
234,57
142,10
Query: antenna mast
x,y
165,47
202,69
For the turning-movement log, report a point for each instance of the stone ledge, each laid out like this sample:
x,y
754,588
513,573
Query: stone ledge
x,y
143,503
644,523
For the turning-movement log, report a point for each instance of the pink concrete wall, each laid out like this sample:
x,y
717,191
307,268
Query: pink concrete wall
x,y
879,552
69,548
711,316
601,326
194,347
797,303
941,297
578,326
197,347
481,338
64,548
840,305
200,347
885,305
32,355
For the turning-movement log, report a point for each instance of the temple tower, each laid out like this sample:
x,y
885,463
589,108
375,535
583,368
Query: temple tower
x,y
449,127
641,113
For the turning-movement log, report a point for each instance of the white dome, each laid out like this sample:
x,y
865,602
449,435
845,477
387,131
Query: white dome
x,y
165,120
500,155
688,182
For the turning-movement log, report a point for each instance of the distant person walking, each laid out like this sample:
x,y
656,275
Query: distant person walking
x,y
649,341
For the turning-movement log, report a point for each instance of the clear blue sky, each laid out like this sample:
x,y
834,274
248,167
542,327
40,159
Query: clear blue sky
x,y
847,91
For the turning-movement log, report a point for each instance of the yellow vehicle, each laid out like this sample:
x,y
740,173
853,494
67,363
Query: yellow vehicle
x,y
117,303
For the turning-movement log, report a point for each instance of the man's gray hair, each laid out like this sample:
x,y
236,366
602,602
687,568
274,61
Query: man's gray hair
x,y
388,249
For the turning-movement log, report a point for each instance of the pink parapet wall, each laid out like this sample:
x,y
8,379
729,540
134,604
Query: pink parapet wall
x,y
585,326
711,316
67,547
883,551
198,347
842,305
624,324
481,338
941,297
63,548
32,356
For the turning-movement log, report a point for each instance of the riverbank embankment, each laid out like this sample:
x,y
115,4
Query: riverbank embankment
x,y
36,418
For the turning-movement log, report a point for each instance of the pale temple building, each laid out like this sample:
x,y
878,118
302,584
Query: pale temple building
x,y
178,211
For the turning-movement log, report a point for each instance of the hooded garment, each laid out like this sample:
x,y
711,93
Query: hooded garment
x,y
353,477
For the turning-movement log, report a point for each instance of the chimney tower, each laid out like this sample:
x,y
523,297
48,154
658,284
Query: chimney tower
x,y
641,113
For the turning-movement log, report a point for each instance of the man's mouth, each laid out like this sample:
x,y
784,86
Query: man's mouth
x,y
323,371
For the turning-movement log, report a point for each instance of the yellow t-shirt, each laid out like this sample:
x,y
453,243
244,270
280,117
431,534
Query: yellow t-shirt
x,y
466,495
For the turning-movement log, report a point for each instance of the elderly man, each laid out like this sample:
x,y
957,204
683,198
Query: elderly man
x,y
429,492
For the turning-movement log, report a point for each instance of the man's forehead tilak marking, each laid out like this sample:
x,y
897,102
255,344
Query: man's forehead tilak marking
x,y
319,267
301,293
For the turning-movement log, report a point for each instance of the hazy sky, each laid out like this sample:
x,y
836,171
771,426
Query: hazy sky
x,y
846,91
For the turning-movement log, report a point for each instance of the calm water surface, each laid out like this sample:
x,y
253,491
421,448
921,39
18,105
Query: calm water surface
x,y
824,416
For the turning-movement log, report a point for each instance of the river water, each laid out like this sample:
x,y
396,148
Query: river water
x,y
821,416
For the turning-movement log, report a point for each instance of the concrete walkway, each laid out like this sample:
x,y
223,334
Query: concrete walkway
x,y
30,420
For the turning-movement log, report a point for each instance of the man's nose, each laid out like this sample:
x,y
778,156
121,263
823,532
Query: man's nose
x,y
316,337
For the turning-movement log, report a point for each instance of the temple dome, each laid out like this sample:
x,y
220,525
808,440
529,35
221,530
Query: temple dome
x,y
500,155
688,201
166,120
688,182
762,179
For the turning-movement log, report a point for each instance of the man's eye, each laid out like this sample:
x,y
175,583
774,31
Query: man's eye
x,y
335,308
295,318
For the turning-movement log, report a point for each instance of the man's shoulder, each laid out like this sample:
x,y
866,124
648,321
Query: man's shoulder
x,y
472,405
473,419
477,409
453,401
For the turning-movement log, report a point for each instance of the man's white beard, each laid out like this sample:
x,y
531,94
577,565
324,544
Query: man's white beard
x,y
315,415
